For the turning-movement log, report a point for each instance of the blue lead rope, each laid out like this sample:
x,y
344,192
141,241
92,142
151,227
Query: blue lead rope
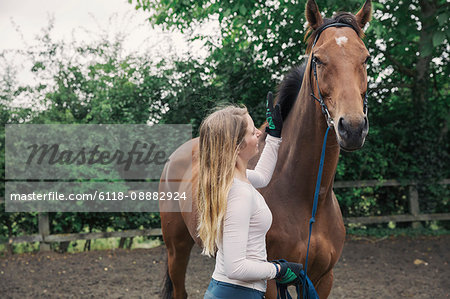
x,y
308,290
308,294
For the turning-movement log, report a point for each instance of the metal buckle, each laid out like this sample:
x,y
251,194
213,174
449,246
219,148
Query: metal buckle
x,y
328,118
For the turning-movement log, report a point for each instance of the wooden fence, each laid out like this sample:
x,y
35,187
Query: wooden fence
x,y
414,216
413,198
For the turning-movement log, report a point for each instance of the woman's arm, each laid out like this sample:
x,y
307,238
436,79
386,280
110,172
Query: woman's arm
x,y
240,207
261,176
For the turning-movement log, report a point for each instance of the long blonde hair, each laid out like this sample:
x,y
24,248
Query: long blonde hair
x,y
221,134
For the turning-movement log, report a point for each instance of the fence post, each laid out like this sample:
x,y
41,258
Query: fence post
x,y
44,231
414,204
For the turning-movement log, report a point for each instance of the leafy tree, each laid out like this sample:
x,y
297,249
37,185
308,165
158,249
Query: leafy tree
x,y
80,84
409,107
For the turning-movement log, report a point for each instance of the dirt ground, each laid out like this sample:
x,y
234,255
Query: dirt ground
x,y
389,268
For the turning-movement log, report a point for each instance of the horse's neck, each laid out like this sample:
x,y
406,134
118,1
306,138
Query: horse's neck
x,y
304,132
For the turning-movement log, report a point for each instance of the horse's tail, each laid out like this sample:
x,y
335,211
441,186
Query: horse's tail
x,y
167,288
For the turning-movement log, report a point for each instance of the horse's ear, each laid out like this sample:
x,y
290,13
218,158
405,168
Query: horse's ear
x,y
312,14
365,14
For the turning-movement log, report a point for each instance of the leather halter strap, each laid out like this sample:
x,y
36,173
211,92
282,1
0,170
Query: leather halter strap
x,y
313,66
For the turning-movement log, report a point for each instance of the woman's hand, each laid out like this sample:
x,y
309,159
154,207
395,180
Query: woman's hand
x,y
289,273
273,116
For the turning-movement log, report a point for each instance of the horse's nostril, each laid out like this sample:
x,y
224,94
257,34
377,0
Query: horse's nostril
x,y
341,127
366,124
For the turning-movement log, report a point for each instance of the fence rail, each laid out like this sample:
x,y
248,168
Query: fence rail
x,y
414,216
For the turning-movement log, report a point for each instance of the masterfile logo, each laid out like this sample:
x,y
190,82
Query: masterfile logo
x,y
90,168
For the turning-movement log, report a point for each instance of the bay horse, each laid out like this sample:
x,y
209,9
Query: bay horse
x,y
339,61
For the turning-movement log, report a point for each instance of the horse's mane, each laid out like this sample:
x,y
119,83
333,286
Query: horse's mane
x,y
289,88
339,17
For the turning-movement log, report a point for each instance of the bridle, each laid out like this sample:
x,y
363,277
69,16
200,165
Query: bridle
x,y
313,67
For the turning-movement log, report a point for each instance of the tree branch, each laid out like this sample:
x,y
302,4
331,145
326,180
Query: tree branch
x,y
400,67
445,5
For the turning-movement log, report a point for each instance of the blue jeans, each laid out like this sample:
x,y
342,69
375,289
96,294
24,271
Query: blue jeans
x,y
224,290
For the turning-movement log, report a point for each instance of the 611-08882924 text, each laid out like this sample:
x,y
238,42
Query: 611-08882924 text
x,y
142,196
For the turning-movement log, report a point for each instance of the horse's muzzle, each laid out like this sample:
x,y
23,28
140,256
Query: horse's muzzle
x,y
352,134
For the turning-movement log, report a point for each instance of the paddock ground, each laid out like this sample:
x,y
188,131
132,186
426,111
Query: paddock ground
x,y
369,268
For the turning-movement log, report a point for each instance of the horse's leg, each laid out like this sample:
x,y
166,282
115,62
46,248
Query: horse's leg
x,y
179,244
271,292
324,285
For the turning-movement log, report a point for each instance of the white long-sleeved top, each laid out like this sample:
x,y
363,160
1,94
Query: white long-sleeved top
x,y
242,257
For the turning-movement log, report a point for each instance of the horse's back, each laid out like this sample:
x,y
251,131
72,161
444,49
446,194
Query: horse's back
x,y
179,177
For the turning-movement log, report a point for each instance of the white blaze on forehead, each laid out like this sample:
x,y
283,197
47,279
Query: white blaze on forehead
x,y
341,40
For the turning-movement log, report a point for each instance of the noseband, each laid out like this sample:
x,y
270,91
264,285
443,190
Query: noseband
x,y
313,65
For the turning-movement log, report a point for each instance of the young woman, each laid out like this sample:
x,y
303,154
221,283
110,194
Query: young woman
x,y
234,218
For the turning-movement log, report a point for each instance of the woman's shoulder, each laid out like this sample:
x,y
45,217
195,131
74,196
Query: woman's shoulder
x,y
241,198
240,189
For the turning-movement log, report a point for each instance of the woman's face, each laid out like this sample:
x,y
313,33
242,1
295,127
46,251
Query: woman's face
x,y
251,140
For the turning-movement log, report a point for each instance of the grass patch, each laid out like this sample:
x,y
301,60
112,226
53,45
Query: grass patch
x,y
20,248
378,232
78,246
113,243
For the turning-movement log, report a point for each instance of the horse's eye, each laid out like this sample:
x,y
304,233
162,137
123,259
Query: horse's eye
x,y
317,60
367,60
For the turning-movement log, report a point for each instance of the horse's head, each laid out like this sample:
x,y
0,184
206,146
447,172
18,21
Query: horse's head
x,y
339,58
